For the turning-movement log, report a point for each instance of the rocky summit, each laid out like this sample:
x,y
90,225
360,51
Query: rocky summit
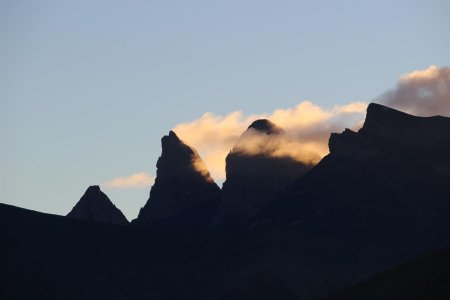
x,y
184,194
378,201
96,206
387,131
253,174
388,183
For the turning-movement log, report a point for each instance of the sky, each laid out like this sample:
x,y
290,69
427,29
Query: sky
x,y
88,88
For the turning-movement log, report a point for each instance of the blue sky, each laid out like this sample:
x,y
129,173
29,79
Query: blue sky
x,y
88,88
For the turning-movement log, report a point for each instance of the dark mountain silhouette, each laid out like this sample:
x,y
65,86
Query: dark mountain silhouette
x,y
387,183
184,194
52,257
95,206
427,278
252,179
380,199
384,187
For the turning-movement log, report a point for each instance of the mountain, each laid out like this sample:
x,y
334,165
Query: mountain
x,y
383,190
53,257
95,206
386,183
184,194
426,278
378,202
253,173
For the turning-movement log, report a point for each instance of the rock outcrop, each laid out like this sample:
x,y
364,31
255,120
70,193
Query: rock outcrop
x,y
387,131
378,200
184,194
95,206
386,183
253,174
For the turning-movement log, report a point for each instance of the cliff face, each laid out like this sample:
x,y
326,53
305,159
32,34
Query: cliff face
x,y
95,206
386,183
378,200
184,192
387,131
254,175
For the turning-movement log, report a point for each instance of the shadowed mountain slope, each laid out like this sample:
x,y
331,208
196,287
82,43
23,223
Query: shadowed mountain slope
x,y
427,278
387,183
95,206
254,174
184,194
380,199
51,257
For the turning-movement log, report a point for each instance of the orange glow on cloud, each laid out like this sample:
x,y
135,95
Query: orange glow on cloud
x,y
307,127
136,180
423,92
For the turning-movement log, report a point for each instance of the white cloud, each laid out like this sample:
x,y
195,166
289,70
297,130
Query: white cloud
x,y
307,127
136,180
423,92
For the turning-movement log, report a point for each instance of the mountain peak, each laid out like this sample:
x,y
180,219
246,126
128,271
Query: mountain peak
x,y
265,126
96,206
172,136
378,114
253,174
93,189
171,140
389,123
393,130
182,181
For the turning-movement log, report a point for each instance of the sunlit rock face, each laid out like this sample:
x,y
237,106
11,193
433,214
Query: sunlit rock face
x,y
254,175
95,206
184,193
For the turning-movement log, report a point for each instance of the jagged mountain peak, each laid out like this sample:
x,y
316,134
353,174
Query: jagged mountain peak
x,y
266,126
93,189
172,145
95,206
384,120
171,138
253,174
182,182
177,160
388,130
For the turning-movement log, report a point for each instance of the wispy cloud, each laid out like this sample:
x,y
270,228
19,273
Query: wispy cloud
x,y
307,127
137,180
423,92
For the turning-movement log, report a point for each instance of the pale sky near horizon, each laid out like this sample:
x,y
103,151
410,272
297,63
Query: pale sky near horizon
x,y
88,88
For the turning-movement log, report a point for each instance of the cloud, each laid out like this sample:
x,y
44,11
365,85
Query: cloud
x,y
307,128
136,180
200,166
307,125
424,92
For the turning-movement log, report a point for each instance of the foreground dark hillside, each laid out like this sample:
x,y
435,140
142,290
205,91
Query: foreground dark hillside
x,y
379,200
51,257
427,278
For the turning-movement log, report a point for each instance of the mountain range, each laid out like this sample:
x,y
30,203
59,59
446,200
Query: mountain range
x,y
278,229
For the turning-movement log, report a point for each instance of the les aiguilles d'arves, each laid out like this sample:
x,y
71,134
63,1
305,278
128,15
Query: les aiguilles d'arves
x,y
371,220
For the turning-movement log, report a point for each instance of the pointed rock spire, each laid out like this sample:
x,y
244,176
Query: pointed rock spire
x,y
253,174
182,183
95,206
266,126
